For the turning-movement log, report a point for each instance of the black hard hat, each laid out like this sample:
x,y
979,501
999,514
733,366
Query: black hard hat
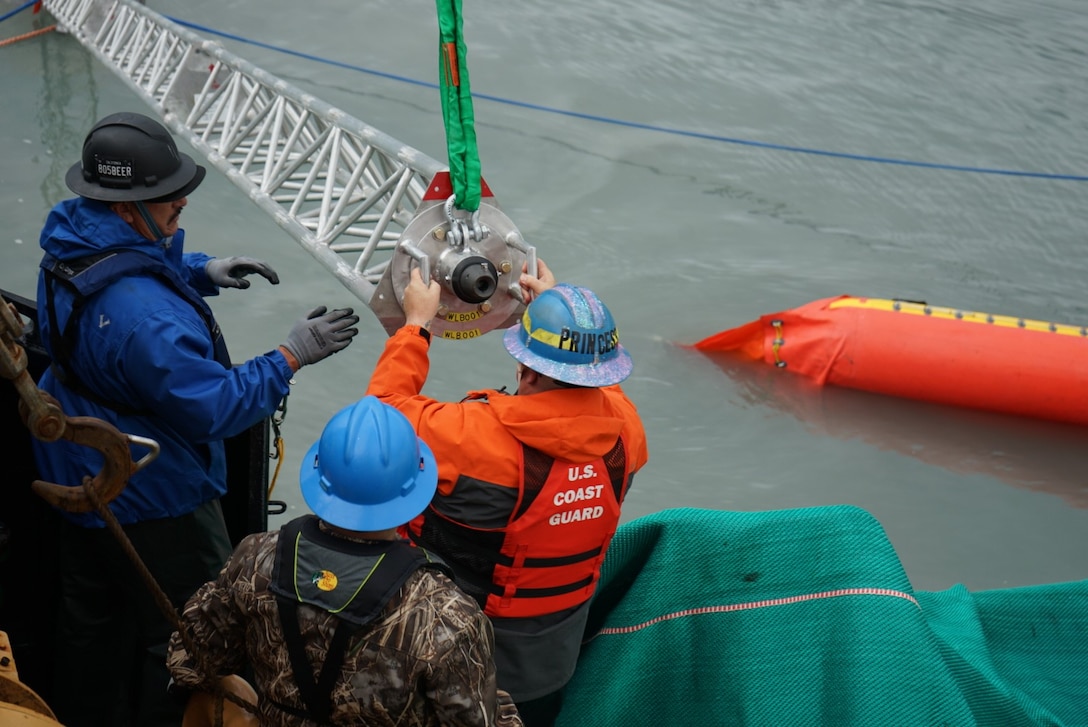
x,y
129,157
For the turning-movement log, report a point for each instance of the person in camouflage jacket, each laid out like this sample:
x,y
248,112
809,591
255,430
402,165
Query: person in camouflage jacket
x,y
420,654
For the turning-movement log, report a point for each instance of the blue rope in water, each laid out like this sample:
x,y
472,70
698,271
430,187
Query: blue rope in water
x,y
649,127
621,122
17,10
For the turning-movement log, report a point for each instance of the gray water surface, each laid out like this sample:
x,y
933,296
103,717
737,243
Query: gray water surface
x,y
685,236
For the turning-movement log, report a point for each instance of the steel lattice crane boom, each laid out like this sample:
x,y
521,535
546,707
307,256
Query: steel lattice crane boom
x,y
367,206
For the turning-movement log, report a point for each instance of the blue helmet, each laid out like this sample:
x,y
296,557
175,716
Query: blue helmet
x,y
369,471
568,334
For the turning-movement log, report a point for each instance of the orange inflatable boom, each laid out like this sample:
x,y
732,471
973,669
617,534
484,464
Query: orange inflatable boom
x,y
918,351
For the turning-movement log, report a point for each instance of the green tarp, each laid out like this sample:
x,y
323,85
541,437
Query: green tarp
x,y
806,617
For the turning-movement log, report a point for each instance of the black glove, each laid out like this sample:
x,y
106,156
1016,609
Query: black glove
x,y
230,272
320,334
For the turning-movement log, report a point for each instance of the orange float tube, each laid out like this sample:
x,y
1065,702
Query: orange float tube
x,y
918,351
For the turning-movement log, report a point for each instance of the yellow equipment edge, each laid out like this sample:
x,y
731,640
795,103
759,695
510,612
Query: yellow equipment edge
x,y
922,309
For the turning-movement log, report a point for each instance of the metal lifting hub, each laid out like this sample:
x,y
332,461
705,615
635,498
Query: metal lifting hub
x,y
476,258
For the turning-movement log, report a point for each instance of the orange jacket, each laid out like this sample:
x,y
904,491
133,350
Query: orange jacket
x,y
484,440
479,444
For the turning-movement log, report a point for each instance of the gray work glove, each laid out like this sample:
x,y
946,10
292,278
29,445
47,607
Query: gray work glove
x,y
320,334
231,272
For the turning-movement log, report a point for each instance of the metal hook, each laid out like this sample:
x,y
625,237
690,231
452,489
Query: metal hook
x,y
46,421
117,464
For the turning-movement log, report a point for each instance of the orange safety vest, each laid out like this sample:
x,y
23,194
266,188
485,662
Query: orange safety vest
x,y
548,557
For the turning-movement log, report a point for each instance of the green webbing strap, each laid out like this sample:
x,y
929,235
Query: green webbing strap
x,y
457,107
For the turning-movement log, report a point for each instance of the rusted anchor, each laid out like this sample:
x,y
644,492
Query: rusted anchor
x,y
46,421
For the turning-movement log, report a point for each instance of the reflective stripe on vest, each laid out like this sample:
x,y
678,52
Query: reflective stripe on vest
x,y
548,556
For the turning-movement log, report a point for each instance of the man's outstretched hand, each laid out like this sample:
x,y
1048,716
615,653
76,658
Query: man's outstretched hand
x,y
231,272
321,334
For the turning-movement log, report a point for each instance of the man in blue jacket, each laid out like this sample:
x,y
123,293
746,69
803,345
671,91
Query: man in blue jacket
x,y
132,341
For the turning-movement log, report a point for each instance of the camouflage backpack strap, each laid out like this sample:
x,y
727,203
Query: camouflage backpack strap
x,y
316,693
